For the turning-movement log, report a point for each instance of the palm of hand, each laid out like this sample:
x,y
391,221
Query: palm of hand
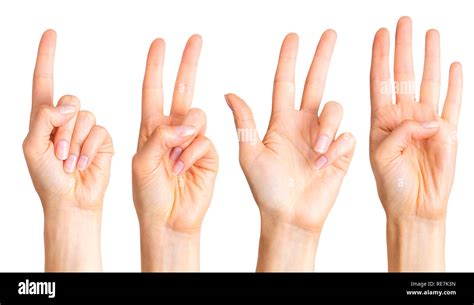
x,y
418,180
283,178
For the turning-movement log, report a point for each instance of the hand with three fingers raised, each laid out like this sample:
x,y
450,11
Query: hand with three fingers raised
x,y
69,159
296,171
413,149
174,168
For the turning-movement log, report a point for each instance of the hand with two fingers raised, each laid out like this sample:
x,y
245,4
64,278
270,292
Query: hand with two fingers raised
x,y
296,171
174,168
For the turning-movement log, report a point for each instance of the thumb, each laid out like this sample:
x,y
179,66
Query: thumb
x,y
46,119
245,124
162,140
407,132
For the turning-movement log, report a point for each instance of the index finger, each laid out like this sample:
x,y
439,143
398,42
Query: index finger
x,y
152,92
284,84
43,74
380,85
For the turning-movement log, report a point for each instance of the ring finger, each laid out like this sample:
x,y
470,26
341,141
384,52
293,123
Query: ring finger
x,y
329,121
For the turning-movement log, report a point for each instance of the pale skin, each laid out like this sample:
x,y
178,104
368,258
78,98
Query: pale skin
x,y
296,171
413,149
69,159
174,168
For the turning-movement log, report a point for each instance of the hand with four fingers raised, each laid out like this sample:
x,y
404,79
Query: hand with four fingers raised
x,y
413,149
296,171
69,159
174,168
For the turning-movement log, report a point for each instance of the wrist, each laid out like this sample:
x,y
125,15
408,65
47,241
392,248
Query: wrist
x,y
286,247
72,240
164,249
415,244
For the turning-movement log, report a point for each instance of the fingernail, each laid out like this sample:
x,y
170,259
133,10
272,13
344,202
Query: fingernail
x,y
178,167
82,163
321,162
66,109
70,163
184,131
175,153
63,149
322,144
430,125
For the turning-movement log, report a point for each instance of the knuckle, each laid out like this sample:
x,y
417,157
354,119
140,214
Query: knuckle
x,y
196,111
100,130
213,150
87,116
204,143
107,139
210,146
159,135
207,141
159,132
407,124
44,111
197,114
69,99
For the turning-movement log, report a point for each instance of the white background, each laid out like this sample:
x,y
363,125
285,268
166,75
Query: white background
x,y
101,53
